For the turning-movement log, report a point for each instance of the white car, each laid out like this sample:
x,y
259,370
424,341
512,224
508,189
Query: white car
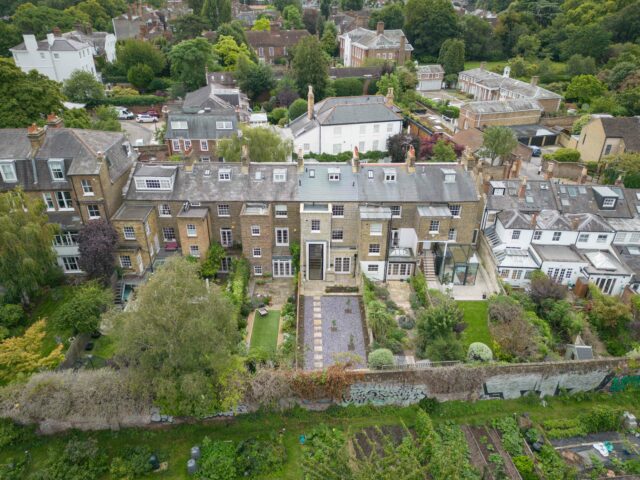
x,y
124,114
146,118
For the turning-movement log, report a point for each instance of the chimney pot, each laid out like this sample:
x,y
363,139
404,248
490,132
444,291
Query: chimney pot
x,y
534,80
54,121
523,188
380,28
36,136
310,103
355,160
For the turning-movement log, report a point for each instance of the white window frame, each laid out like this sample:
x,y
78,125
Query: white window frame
x,y
602,238
204,145
282,236
222,207
194,251
255,230
372,268
225,264
256,252
125,261
64,204
187,144
192,230
337,235
396,211
87,188
456,210
170,230
8,172
337,211
224,175
224,125
56,167
314,223
608,202
556,236
374,249
375,229
257,270
91,207
128,232
226,237
515,235
279,175
48,201
175,145
281,211
340,263
66,262
583,238
282,268
434,226
164,210
537,234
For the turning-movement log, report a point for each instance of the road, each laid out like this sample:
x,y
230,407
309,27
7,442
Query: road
x,y
139,131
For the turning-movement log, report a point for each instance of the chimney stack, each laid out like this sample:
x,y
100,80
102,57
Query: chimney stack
x,y
300,160
534,80
244,160
130,12
483,65
379,28
523,188
411,159
583,176
36,135
54,121
388,101
57,32
534,219
549,174
355,160
50,38
310,103
403,42
99,157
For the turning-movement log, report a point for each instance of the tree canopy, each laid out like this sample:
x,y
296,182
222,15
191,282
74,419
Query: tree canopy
x,y
81,87
264,145
310,67
254,78
428,24
227,51
391,14
81,313
216,12
97,245
134,52
498,142
188,62
179,343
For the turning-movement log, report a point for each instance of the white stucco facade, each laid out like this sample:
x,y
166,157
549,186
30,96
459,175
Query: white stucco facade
x,y
334,139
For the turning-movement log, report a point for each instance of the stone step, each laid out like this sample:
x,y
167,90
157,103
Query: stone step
x,y
317,334
317,348
317,356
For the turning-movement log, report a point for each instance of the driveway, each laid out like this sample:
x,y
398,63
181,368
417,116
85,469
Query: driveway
x,y
140,131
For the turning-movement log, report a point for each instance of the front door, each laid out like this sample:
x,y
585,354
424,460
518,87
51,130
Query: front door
x,y
316,261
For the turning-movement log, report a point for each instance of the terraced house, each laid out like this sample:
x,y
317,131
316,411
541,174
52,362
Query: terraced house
x,y
78,174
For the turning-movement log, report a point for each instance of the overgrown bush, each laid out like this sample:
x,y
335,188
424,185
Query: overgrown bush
x,y
380,358
218,460
446,348
602,419
11,434
131,463
479,352
257,458
525,466
79,460
419,286
564,155
11,315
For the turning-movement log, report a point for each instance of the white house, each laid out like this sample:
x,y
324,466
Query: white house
x,y
55,57
103,44
340,124
430,77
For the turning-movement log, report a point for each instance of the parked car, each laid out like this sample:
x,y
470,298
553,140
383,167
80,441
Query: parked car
x,y
536,151
146,118
124,114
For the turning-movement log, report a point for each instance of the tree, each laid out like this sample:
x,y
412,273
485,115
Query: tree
x,y
527,45
227,52
216,12
140,76
27,258
285,91
325,8
348,87
498,142
428,24
264,145
254,79
282,4
620,72
353,5
107,119
398,145
26,98
391,14
310,19
585,88
76,118
379,320
444,349
262,25
626,165
452,56
97,244
81,313
329,38
479,40
180,342
9,37
438,320
235,29
213,261
188,26
292,18
580,65
189,60
382,357
588,40
443,152
310,68
134,52
511,26
40,19
21,356
297,108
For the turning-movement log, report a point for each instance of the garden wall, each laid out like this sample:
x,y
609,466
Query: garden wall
x,y
466,382
567,170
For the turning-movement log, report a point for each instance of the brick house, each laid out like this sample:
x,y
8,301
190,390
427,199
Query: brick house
x,y
274,46
360,44
604,136
78,174
497,112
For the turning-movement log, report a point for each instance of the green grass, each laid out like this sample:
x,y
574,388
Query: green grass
x,y
174,442
46,307
475,316
265,331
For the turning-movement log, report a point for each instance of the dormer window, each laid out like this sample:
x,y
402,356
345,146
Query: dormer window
x,y
334,174
224,175
312,173
279,175
498,192
370,174
258,175
8,172
207,173
608,202
56,167
154,183
389,175
449,175
224,125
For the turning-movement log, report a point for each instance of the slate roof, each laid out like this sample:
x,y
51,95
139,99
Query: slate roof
x,y
424,69
349,72
275,38
132,212
14,143
631,258
60,44
503,106
588,222
201,126
344,111
552,220
95,39
496,81
370,39
559,253
539,196
582,199
627,128
513,219
216,97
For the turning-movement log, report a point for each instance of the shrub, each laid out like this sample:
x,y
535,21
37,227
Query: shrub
x,y
218,461
133,463
419,285
602,419
445,348
11,434
80,460
564,155
381,357
525,466
11,315
479,352
406,322
255,458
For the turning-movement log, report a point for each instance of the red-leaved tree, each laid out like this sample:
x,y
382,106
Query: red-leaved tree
x,y
97,244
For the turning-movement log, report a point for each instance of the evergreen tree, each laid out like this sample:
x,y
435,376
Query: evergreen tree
x,y
216,12
310,67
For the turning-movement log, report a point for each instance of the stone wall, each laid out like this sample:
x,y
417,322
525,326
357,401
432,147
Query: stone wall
x,y
566,170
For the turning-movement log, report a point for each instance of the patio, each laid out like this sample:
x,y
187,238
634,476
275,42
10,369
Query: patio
x,y
483,288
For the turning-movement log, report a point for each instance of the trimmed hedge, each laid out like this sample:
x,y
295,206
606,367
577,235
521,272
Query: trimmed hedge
x,y
346,156
128,101
564,155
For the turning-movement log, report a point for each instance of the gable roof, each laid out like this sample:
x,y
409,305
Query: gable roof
x,y
496,81
201,126
627,128
503,106
275,38
59,44
206,97
370,39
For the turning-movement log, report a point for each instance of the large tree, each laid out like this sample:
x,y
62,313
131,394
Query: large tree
x,y
264,145
585,88
329,39
498,142
188,26
9,37
391,14
188,62
292,18
180,342
479,41
27,258
254,78
97,245
310,67
134,52
26,97
588,40
82,87
452,58
216,12
227,51
428,23
81,313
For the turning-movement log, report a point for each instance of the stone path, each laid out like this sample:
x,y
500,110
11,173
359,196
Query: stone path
x,y
317,333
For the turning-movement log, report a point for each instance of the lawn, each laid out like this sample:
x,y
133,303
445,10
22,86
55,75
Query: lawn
x,y
172,443
475,316
264,335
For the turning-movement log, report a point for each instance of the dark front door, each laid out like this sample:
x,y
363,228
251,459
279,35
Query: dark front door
x,y
316,261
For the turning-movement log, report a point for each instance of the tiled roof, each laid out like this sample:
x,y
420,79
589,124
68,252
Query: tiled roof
x,y
503,106
627,128
496,81
275,38
370,39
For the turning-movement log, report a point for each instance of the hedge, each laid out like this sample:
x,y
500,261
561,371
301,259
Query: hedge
x,y
129,101
346,156
440,107
564,155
